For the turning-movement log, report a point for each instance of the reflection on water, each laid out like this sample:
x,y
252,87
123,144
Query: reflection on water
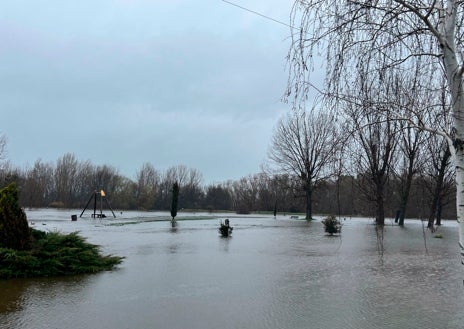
x,y
20,296
11,295
270,274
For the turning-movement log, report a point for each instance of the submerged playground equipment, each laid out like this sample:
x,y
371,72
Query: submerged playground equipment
x,y
94,197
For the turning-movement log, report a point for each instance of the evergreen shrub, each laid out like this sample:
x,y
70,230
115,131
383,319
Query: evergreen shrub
x,y
332,225
55,254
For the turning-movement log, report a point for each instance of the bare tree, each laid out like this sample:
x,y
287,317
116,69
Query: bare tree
x,y
218,197
303,146
179,173
438,175
373,152
245,194
410,98
189,181
85,183
408,164
375,132
65,179
389,35
38,185
148,180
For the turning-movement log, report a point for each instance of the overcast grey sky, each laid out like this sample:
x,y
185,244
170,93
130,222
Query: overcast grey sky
x,y
125,82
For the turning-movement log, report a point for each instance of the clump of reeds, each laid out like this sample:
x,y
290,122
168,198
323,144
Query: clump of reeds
x,y
55,254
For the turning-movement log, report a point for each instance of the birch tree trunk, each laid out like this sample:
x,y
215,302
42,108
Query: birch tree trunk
x,y
459,163
454,77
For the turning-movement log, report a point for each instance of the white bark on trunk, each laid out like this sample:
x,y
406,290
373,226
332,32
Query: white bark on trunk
x,y
454,77
459,162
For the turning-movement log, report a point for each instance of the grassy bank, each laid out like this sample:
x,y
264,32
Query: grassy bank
x,y
54,254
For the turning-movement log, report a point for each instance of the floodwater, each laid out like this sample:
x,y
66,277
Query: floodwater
x,y
272,273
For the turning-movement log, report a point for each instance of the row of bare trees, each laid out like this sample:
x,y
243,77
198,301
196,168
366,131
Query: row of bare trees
x,y
388,157
69,183
389,61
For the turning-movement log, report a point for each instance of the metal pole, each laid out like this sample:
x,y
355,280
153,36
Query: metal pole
x,y
108,203
94,203
86,205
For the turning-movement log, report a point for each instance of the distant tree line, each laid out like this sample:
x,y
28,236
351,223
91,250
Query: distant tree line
x,y
68,183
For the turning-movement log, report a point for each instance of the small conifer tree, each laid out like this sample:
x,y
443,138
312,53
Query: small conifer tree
x,y
14,229
332,225
175,199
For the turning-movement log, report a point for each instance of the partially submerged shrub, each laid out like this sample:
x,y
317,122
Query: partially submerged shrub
x,y
25,252
55,254
332,225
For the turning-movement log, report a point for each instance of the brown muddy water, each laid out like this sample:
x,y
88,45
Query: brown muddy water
x,y
272,273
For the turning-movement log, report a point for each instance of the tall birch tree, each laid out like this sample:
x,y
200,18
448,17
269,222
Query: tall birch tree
x,y
390,34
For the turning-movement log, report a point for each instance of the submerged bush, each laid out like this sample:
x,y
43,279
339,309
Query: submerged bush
x,y
25,252
332,225
55,254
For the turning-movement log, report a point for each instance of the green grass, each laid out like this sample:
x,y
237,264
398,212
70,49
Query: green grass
x,y
55,254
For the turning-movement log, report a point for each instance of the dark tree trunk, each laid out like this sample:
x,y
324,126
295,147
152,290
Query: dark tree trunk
x,y
433,208
439,208
380,218
406,191
438,191
309,209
